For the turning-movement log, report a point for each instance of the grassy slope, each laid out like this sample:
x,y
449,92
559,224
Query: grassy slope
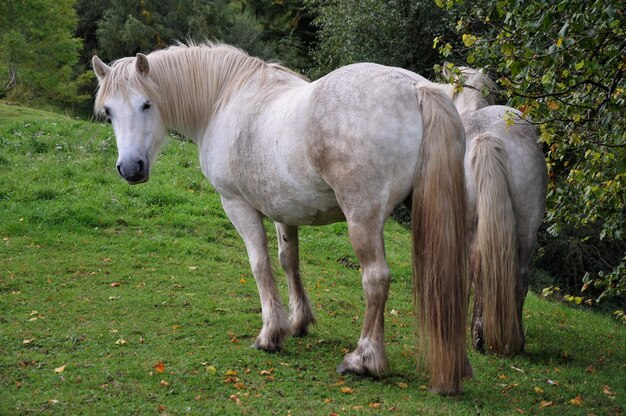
x,y
100,282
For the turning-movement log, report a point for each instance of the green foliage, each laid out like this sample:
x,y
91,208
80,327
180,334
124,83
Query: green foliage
x,y
38,50
262,28
562,64
385,32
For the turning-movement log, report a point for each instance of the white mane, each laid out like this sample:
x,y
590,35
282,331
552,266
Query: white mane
x,y
194,77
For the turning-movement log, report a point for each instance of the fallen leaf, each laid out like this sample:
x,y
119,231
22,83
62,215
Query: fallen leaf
x,y
347,390
339,383
545,403
121,341
159,367
359,407
59,370
231,372
266,372
518,410
235,399
607,390
402,385
239,386
509,387
53,401
538,390
164,383
210,369
577,401
590,369
28,341
327,400
115,284
374,405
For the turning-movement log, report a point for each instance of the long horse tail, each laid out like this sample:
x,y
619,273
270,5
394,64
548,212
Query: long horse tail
x,y
494,257
440,242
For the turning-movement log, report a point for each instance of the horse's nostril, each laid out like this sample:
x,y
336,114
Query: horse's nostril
x,y
141,165
119,169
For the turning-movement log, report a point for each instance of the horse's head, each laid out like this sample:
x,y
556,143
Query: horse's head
x,y
128,98
477,89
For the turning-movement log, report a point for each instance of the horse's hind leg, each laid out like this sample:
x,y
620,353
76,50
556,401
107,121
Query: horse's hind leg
x,y
369,356
249,224
301,315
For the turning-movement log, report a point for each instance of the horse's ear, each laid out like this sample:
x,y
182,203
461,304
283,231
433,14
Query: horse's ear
x,y
446,69
142,66
100,68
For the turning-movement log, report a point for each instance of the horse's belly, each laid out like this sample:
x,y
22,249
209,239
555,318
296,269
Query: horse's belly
x,y
310,217
317,210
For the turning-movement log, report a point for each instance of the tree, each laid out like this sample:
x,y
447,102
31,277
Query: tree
x,y
263,28
38,49
562,63
393,32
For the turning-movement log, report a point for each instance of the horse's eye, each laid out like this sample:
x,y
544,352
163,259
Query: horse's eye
x,y
146,106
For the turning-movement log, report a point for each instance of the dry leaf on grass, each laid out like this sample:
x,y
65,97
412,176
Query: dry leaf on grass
x,y
577,401
159,367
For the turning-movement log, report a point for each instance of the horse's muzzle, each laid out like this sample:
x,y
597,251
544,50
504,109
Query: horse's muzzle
x,y
134,172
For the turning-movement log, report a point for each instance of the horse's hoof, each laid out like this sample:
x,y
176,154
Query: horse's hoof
x,y
300,325
367,360
344,370
271,349
300,333
477,335
451,392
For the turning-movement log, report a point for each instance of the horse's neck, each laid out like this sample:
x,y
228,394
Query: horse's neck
x,y
467,100
193,93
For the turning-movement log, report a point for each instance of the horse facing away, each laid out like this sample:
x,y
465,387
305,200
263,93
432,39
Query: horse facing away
x,y
506,178
349,146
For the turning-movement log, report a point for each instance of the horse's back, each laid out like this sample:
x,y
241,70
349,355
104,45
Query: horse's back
x,y
300,154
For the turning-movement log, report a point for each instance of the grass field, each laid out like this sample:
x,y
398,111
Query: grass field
x,y
139,300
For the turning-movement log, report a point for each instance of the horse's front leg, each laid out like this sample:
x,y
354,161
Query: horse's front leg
x,y
249,224
369,356
300,311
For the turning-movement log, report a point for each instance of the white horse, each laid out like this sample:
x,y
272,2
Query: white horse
x,y
349,146
506,177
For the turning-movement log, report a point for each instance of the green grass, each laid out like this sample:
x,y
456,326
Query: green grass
x,y
100,282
